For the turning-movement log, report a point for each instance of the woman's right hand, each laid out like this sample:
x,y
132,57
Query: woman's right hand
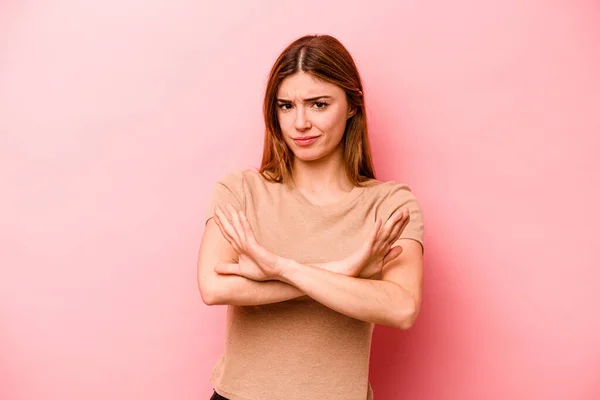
x,y
368,261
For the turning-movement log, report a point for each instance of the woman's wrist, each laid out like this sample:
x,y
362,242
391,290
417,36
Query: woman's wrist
x,y
285,266
278,265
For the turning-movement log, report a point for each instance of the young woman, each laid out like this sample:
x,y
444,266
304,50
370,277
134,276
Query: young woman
x,y
310,251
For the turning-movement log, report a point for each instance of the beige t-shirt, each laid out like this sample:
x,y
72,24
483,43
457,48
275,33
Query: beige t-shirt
x,y
299,349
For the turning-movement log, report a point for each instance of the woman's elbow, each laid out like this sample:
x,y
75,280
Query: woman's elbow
x,y
407,318
208,292
209,298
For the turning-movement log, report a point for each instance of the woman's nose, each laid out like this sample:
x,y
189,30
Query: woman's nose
x,y
302,122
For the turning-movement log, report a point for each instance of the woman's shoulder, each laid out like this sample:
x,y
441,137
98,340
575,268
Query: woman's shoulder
x,y
388,196
386,187
242,177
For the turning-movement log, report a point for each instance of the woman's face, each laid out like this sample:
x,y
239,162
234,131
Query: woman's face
x,y
312,115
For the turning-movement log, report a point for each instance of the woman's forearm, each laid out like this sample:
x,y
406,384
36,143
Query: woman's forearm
x,y
376,301
241,291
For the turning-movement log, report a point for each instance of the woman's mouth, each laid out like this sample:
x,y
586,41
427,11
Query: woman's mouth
x,y
305,141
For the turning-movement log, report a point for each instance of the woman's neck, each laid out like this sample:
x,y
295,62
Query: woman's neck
x,y
324,175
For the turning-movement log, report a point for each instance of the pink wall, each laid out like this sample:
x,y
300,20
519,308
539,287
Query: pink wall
x,y
116,117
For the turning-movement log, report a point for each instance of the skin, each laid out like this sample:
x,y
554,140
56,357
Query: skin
x,y
309,107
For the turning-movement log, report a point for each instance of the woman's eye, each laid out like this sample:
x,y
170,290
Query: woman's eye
x,y
285,106
320,104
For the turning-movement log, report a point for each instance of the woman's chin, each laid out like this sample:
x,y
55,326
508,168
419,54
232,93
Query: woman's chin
x,y
307,156
311,155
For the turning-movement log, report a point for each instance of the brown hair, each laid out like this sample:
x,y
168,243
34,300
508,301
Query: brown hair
x,y
325,58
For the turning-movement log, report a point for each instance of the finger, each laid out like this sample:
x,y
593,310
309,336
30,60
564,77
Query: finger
x,y
222,221
237,225
226,235
245,223
376,229
389,224
405,222
247,228
392,254
233,214
227,269
390,237
371,271
373,232
399,227
224,212
221,228
228,227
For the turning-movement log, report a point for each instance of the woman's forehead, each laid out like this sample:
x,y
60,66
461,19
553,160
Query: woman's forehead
x,y
306,86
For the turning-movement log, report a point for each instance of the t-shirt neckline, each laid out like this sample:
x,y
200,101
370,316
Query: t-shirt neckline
x,y
353,194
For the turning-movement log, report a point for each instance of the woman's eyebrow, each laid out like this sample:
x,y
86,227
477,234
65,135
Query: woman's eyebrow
x,y
306,100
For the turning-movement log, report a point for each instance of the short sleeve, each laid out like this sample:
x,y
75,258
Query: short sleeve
x,y
228,189
400,196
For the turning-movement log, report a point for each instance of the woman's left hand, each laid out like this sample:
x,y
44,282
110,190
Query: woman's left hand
x,y
377,250
237,230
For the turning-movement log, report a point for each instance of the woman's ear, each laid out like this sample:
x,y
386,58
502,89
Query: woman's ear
x,y
351,113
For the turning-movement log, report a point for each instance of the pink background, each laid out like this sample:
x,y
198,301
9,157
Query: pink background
x,y
116,118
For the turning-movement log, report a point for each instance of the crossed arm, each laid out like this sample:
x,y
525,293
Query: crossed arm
x,y
234,270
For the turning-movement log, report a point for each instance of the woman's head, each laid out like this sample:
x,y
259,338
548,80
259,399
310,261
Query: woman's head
x,y
313,108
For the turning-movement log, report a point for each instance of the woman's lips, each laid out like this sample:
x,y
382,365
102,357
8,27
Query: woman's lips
x,y
305,141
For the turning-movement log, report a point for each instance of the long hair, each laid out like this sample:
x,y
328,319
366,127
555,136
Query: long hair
x,y
325,58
